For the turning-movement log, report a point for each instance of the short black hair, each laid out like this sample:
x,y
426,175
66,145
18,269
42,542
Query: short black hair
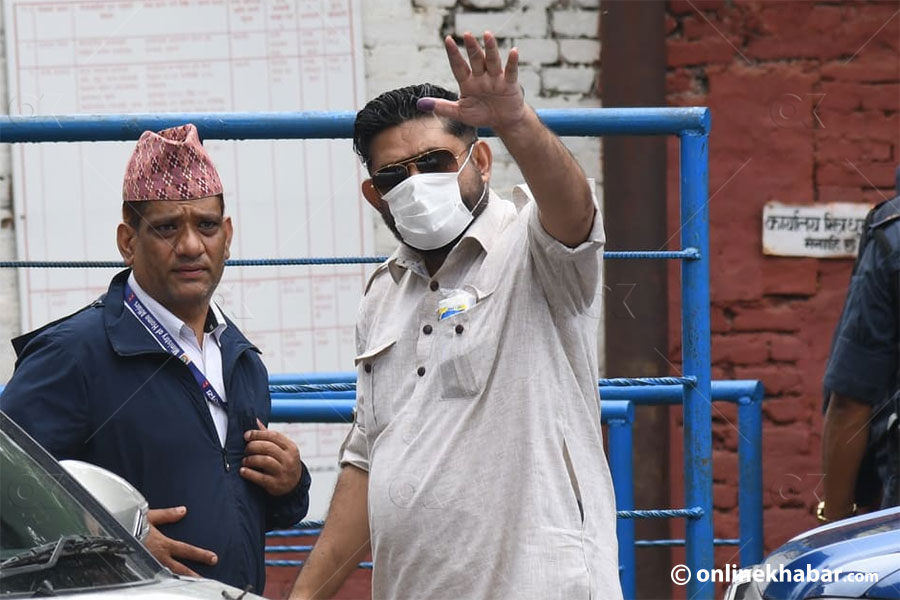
x,y
396,107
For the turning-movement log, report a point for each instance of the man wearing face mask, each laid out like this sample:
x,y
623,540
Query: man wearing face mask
x,y
475,465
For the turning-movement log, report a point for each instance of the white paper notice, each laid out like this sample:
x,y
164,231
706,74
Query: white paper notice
x,y
287,198
819,230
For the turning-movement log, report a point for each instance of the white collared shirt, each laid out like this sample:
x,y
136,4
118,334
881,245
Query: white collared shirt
x,y
208,358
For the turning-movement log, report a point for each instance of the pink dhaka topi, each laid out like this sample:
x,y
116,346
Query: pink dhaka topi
x,y
170,165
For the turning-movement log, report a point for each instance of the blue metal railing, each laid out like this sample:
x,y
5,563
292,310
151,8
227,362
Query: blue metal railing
x,y
691,125
329,398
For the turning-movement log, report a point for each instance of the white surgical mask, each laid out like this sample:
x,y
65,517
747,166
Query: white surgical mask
x,y
428,209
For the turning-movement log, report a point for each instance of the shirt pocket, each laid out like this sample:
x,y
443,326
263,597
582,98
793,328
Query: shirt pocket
x,y
467,350
372,374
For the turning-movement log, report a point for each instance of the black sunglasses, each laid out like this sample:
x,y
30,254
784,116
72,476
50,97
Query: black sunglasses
x,y
439,160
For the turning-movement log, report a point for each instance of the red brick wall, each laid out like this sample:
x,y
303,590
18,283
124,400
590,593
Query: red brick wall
x,y
804,99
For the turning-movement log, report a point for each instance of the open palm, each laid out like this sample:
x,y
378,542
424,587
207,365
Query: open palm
x,y
489,95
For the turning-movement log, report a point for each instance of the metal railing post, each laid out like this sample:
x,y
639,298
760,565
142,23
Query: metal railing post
x,y
750,482
695,342
621,467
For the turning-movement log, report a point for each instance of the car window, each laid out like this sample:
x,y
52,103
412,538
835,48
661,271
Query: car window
x,y
34,508
49,539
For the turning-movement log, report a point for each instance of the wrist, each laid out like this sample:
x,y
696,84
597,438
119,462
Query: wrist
x,y
519,129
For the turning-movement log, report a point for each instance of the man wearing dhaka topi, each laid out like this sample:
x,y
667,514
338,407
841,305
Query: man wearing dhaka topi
x,y
475,466
154,383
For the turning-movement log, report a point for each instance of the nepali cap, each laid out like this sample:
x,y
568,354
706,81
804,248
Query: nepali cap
x,y
170,165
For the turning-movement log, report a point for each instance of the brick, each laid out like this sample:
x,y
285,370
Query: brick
x,y
766,318
434,3
580,51
790,276
725,465
683,7
784,411
740,349
777,379
842,97
578,80
858,125
860,172
671,24
531,82
576,23
724,496
701,52
869,65
520,23
856,151
837,193
719,321
680,80
482,4
787,348
537,51
883,96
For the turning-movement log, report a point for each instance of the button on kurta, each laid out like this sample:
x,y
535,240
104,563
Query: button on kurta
x,y
421,371
434,285
460,329
427,329
367,367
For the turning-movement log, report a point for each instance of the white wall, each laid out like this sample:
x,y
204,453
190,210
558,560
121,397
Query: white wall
x,y
9,289
558,47
559,54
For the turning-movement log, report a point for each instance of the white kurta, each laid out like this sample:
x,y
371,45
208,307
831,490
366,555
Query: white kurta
x,y
481,431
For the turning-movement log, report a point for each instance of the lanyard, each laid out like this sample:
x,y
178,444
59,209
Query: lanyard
x,y
168,343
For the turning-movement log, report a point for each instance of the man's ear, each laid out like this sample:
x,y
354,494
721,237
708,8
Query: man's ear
x,y
372,196
483,159
125,239
229,233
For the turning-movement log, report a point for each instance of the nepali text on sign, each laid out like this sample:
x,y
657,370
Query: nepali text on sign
x,y
820,231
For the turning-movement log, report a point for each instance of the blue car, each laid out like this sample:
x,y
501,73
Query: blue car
x,y
853,558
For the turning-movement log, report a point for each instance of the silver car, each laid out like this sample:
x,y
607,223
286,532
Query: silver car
x,y
57,539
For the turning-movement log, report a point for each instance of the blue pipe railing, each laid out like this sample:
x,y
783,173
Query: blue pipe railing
x,y
691,125
329,398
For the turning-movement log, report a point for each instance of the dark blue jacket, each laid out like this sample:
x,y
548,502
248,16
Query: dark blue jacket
x,y
97,387
865,351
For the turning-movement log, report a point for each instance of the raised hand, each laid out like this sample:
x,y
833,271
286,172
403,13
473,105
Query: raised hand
x,y
489,94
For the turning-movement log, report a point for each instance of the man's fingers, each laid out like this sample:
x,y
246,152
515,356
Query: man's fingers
x,y
188,552
268,435
440,107
264,447
261,425
492,55
458,64
161,516
178,568
476,54
257,477
260,462
511,74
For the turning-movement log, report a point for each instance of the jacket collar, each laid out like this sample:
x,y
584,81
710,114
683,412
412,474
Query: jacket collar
x,y
128,336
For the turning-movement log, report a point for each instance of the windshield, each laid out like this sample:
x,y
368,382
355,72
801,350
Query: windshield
x,y
49,540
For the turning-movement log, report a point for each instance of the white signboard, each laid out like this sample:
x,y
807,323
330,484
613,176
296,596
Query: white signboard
x,y
288,198
819,231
